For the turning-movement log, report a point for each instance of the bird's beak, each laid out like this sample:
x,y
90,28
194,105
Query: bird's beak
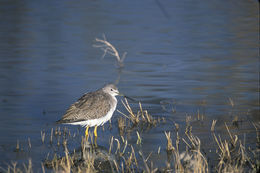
x,y
120,94
130,98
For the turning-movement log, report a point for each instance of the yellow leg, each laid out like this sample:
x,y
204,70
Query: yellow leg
x,y
95,140
86,132
95,131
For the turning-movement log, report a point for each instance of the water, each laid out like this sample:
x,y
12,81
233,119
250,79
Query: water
x,y
186,55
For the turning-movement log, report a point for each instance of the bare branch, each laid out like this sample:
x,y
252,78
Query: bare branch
x,y
108,48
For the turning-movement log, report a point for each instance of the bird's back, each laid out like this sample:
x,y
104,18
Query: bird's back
x,y
90,106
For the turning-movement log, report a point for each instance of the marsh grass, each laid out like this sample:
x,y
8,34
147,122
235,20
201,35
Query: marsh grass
x,y
191,160
233,156
13,168
87,159
136,119
184,150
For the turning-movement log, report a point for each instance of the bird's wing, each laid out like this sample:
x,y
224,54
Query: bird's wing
x,y
89,106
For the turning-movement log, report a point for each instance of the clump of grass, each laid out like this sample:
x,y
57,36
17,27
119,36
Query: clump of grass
x,y
194,160
126,155
191,160
169,146
141,117
199,117
108,48
13,168
87,159
232,155
148,168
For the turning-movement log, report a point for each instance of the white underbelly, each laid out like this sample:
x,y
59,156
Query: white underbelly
x,y
96,122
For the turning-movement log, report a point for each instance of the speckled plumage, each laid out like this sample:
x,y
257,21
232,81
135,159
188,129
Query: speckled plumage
x,y
93,108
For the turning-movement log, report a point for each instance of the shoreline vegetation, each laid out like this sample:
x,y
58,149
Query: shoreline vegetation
x,y
185,151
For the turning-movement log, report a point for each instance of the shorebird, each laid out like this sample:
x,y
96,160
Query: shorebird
x,y
92,109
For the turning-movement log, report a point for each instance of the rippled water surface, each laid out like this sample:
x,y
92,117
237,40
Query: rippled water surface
x,y
183,57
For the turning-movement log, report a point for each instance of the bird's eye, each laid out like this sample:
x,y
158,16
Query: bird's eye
x,y
111,89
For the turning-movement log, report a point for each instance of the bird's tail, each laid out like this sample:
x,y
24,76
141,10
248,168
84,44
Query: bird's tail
x,y
61,121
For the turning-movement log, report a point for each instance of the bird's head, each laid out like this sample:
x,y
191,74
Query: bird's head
x,y
111,89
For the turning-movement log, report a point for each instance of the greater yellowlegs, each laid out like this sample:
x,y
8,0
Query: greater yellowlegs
x,y
92,109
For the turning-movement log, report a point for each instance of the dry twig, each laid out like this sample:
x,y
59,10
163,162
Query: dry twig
x,y
108,48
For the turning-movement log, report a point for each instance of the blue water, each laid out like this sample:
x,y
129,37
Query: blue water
x,y
192,55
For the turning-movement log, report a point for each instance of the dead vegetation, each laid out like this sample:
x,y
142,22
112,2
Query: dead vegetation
x,y
233,157
184,150
141,118
191,160
108,48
